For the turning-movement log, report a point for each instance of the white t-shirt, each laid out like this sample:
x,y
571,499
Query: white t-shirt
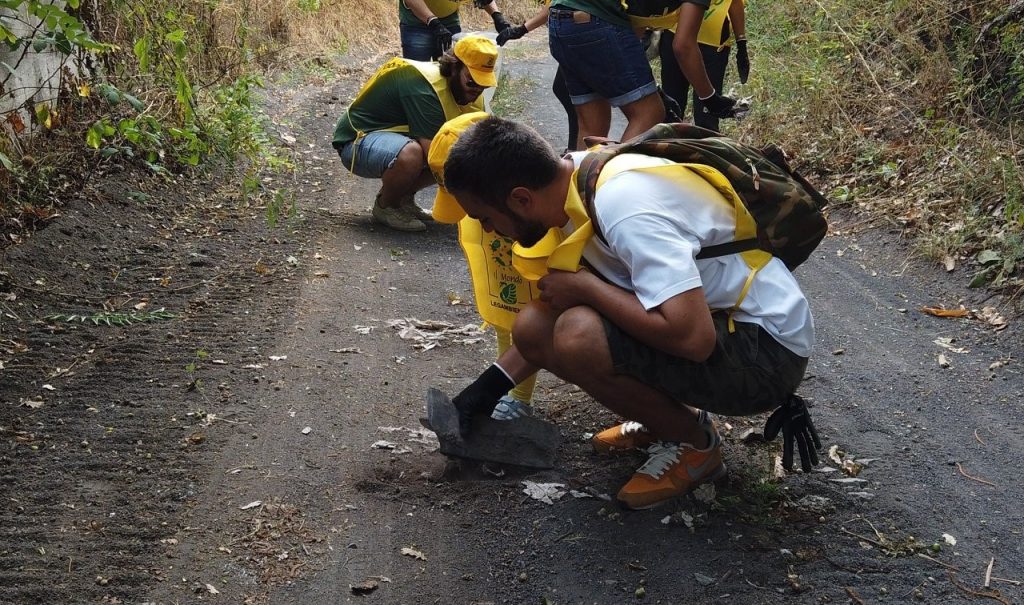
x,y
655,228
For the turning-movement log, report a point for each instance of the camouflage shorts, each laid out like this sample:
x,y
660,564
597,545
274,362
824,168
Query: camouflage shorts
x,y
748,372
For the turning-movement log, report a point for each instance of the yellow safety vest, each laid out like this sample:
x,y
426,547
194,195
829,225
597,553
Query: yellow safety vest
x,y
557,251
432,73
710,29
498,288
440,8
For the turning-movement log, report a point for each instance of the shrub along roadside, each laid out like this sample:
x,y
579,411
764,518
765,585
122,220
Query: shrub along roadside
x,y
914,111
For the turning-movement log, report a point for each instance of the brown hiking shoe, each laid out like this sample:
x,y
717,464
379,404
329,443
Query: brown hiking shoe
x,y
397,219
409,205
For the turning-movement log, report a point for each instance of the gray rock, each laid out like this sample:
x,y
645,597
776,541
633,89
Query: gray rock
x,y
524,441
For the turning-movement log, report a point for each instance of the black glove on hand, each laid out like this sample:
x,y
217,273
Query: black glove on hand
x,y
794,420
481,3
442,35
511,33
719,106
742,60
500,22
673,112
481,396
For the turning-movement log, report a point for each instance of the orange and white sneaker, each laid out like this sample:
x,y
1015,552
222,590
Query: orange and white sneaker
x,y
673,469
621,437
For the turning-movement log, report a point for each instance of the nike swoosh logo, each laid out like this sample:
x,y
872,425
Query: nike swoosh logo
x,y
697,472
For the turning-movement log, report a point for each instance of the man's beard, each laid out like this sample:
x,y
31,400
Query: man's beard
x,y
528,232
461,94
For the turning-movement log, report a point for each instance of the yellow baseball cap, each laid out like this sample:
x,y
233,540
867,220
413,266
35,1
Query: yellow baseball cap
x,y
480,55
446,209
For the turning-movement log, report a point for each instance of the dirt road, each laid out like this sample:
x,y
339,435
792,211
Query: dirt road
x,y
262,445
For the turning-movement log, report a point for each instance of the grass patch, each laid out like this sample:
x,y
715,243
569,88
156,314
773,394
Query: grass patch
x,y
511,95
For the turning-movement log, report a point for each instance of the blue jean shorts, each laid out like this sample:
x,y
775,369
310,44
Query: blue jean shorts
x,y
600,60
418,42
374,153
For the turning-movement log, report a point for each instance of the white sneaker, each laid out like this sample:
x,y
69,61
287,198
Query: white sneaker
x,y
510,408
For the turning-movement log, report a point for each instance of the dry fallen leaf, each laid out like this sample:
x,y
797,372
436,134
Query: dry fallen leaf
x,y
252,504
943,362
412,552
836,455
364,587
940,312
992,317
950,263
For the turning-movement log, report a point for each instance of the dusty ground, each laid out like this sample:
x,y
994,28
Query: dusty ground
x,y
226,454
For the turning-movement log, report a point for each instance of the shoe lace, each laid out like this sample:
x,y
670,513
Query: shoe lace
x,y
631,426
662,455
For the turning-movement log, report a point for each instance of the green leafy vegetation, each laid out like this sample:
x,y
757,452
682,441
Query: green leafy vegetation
x,y
909,111
176,90
113,318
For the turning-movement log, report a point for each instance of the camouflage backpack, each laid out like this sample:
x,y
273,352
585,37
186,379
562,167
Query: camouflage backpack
x,y
785,207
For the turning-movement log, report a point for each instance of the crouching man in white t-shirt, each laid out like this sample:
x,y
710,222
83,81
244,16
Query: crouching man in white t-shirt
x,y
635,327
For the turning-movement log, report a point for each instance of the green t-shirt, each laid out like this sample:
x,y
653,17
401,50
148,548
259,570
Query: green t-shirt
x,y
399,97
606,10
405,16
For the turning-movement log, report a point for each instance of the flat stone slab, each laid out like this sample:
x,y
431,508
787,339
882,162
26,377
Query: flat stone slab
x,y
524,441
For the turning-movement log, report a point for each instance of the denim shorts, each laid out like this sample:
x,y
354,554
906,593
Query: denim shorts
x,y
374,153
749,372
600,60
418,42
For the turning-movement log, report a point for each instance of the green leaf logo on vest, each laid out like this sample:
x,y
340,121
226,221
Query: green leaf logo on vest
x,y
508,293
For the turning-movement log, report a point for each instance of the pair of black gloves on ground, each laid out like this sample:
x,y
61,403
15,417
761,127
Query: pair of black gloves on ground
x,y
792,418
506,31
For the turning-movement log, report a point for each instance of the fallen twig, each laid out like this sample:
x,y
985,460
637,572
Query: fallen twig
x,y
988,594
1014,582
854,596
860,537
973,478
988,572
978,438
946,565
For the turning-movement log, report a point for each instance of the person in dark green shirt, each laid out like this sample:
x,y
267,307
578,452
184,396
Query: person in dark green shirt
x,y
604,66
386,131
427,26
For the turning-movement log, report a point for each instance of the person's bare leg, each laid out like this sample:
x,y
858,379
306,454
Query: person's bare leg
x,y
573,347
406,175
595,119
642,115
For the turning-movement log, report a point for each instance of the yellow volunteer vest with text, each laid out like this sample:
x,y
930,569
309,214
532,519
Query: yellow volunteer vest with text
x,y
432,73
500,291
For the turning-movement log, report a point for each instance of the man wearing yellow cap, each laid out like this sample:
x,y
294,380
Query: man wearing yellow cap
x,y
386,131
498,288
636,328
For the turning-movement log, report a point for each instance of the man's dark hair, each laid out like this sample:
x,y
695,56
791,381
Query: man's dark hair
x,y
449,63
494,156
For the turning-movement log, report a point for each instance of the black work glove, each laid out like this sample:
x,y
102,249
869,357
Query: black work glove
x,y
511,33
481,3
673,112
794,420
442,35
480,397
742,60
719,106
500,22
